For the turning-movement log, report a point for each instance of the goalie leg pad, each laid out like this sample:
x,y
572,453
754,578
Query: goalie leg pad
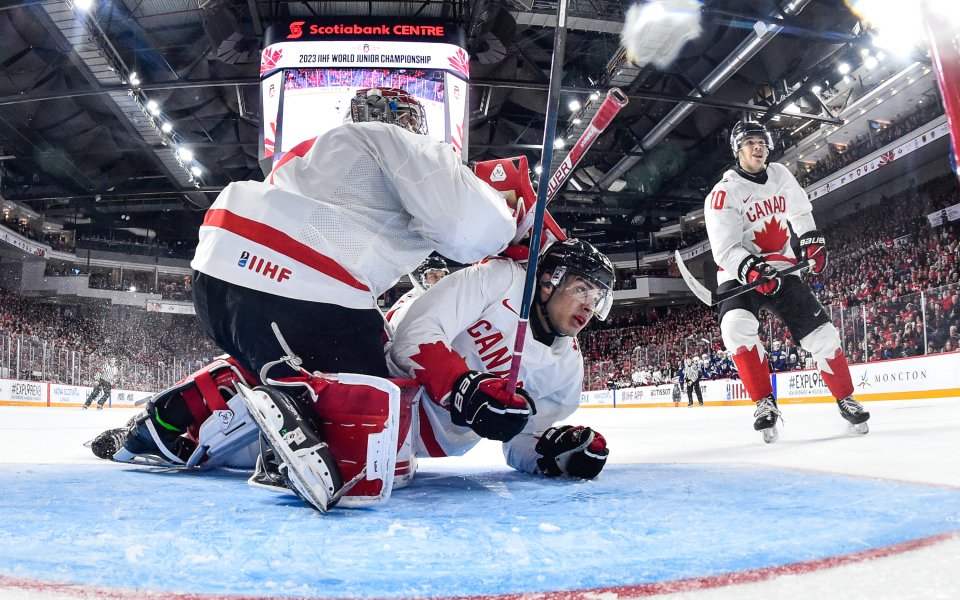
x,y
311,471
406,466
223,434
359,418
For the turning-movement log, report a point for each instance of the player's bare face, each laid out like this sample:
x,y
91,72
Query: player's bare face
x,y
571,305
753,153
432,277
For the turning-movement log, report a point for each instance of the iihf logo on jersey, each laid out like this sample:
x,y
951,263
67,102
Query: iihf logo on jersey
x,y
264,267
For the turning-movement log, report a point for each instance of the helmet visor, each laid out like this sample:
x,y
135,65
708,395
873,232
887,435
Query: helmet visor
x,y
598,298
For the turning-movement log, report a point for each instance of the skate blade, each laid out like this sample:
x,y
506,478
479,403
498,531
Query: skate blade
x,y
257,404
770,435
860,428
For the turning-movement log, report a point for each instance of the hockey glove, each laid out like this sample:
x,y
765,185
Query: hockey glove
x,y
753,268
480,401
813,247
575,451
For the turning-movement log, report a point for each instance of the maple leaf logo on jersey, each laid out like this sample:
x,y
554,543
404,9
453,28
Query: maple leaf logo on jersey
x,y
440,368
772,238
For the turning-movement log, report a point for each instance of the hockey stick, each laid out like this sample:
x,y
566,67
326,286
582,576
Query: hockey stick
x,y
712,298
612,104
614,101
549,132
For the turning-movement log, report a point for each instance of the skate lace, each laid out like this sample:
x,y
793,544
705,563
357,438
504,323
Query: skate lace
x,y
765,407
850,406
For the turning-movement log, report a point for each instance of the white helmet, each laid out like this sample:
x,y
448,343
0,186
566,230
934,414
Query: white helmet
x,y
388,105
776,344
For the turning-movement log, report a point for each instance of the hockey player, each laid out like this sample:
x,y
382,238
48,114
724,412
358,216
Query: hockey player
x,y
457,343
430,271
747,215
338,221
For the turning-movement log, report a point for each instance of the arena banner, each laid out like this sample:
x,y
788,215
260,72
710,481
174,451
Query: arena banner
x,y
171,308
646,395
934,376
919,139
15,392
597,399
942,217
22,243
76,395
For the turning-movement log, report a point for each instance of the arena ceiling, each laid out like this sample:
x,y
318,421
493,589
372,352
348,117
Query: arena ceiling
x,y
78,147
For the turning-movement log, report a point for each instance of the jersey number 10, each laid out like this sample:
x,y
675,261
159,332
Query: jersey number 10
x,y
716,198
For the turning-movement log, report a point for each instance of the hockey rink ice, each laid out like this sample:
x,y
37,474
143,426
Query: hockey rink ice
x,y
692,504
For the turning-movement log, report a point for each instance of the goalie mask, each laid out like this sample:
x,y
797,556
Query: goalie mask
x,y
430,271
745,129
388,105
511,178
567,260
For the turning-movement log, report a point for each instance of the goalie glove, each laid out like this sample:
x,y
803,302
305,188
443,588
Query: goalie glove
x,y
480,401
753,268
813,248
575,451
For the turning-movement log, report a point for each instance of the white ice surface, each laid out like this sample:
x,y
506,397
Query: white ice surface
x,y
910,441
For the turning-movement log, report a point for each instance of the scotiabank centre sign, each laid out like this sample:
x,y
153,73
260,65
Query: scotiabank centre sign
x,y
350,28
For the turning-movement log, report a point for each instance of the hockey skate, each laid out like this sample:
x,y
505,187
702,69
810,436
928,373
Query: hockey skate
x,y
306,464
150,442
766,415
853,412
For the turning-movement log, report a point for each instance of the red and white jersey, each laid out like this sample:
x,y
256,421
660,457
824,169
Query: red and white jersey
x,y
474,312
348,215
744,217
399,309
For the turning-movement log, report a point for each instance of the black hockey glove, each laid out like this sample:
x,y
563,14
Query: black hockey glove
x,y
753,268
575,451
480,401
814,248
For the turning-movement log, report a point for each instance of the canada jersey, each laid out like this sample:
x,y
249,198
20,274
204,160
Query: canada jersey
x,y
399,309
744,217
340,223
475,312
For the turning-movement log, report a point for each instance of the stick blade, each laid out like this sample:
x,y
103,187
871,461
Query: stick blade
x,y
702,293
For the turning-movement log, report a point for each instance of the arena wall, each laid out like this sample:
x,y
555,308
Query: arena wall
x,y
933,376
16,392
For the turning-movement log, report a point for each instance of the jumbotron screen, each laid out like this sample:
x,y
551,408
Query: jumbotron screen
x,y
311,72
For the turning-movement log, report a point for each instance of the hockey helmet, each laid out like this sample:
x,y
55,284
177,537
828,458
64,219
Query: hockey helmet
x,y
388,105
511,178
431,263
744,129
578,257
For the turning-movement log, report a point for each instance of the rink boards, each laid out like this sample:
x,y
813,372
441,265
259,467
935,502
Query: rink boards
x,y
933,376
16,392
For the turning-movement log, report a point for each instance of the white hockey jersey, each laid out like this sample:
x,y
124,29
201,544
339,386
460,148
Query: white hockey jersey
x,y
364,205
744,217
475,312
399,309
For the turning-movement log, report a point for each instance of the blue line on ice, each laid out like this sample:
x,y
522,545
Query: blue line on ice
x,y
452,532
